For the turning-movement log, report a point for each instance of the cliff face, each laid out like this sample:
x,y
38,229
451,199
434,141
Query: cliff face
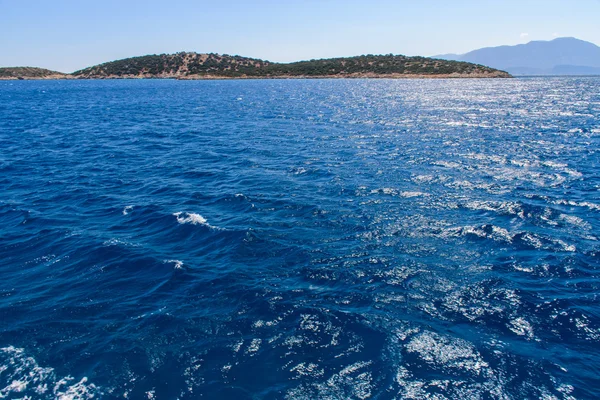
x,y
29,73
207,66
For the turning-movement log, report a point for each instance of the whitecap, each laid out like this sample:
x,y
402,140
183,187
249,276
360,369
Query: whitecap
x,y
127,210
178,264
447,164
591,206
192,219
409,194
575,221
485,231
500,207
21,376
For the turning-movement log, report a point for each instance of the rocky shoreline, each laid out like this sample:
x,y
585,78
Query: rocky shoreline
x,y
216,77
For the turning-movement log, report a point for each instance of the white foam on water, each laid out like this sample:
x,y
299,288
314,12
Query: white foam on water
x,y
493,232
591,206
572,172
127,210
500,207
192,219
502,235
565,246
21,376
409,194
563,168
553,164
559,245
575,221
424,179
178,264
532,240
447,164
521,268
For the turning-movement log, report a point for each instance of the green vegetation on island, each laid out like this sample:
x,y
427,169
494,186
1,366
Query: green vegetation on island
x,y
202,66
216,66
29,73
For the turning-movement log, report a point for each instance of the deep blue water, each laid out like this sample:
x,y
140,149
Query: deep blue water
x,y
301,239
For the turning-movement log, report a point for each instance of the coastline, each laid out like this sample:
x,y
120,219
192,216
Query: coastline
x,y
495,75
35,78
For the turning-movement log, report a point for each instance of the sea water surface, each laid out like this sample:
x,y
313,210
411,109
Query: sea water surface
x,y
300,239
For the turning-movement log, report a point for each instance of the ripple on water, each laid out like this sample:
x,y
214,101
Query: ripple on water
x,y
300,239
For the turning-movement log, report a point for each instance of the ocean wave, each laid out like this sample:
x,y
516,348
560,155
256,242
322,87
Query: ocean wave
x,y
176,263
500,234
184,218
21,376
320,239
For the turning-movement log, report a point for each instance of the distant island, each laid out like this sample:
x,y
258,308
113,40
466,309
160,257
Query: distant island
x,y
215,66
561,56
29,73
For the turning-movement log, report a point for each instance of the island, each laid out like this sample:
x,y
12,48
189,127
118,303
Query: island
x,y
188,66
29,73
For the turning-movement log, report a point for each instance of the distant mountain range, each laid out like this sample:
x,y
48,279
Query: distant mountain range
x,y
562,56
217,66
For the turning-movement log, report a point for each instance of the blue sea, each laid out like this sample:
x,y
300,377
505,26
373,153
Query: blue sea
x,y
300,239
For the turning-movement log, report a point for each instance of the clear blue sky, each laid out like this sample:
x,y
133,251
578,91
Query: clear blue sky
x,y
66,35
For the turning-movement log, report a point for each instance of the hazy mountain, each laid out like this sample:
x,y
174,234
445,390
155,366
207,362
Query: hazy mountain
x,y
562,56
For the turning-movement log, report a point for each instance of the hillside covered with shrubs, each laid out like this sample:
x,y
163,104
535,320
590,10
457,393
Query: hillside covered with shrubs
x,y
199,66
